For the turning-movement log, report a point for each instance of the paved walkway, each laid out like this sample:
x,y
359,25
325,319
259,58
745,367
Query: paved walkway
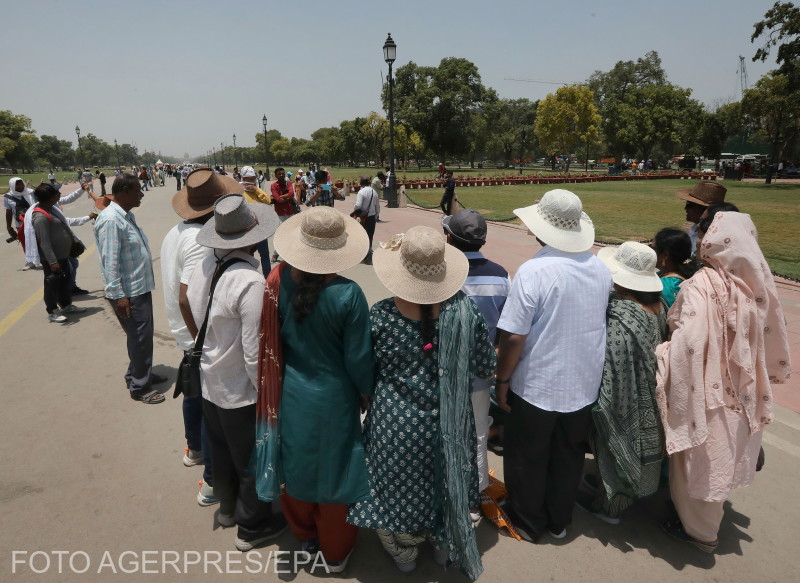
x,y
87,470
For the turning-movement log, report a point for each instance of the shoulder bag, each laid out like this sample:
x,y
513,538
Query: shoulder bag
x,y
188,381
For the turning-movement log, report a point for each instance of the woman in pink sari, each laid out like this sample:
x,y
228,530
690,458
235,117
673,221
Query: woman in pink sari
x,y
728,344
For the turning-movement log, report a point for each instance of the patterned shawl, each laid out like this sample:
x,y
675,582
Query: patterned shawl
x,y
265,460
629,441
729,339
457,325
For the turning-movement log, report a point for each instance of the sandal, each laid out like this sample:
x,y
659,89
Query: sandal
x,y
151,397
674,528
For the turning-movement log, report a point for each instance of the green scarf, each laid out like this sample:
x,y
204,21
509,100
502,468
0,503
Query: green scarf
x,y
457,325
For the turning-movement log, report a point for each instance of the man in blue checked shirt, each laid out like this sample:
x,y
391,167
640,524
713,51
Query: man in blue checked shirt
x,y
127,268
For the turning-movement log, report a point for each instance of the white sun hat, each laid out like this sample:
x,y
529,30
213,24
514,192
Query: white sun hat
x,y
632,266
558,220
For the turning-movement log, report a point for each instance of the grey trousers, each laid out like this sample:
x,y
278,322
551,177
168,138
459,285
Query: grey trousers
x,y
139,330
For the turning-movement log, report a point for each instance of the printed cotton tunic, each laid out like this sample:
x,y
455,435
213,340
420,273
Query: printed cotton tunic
x,y
402,429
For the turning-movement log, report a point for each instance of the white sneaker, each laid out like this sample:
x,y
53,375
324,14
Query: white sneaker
x,y
72,309
56,317
28,266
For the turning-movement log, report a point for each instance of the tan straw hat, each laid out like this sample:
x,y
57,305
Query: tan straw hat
x,y
704,193
420,267
558,220
632,266
203,187
237,223
321,240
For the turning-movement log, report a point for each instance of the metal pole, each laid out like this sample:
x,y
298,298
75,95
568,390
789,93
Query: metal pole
x,y
392,185
222,154
266,151
521,150
116,148
235,153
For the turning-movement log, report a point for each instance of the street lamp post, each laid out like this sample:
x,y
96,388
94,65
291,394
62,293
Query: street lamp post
x,y
222,155
521,150
80,148
235,153
116,149
389,55
266,152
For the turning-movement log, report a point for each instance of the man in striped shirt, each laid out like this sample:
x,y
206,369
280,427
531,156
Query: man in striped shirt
x,y
488,286
127,267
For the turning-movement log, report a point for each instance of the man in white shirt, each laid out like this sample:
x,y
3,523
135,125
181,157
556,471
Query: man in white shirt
x,y
229,361
16,203
180,253
550,364
366,209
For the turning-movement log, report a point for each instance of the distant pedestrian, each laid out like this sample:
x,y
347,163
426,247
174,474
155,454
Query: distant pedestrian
x,y
446,203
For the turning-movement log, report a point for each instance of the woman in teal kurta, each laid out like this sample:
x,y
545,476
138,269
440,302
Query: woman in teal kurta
x,y
674,251
329,364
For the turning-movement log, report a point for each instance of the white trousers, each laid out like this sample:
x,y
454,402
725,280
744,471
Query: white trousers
x,y
480,409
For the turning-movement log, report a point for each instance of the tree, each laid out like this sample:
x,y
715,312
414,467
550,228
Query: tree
x,y
407,144
783,23
509,122
772,108
439,102
327,144
14,151
57,153
280,150
272,136
352,140
566,119
376,134
96,152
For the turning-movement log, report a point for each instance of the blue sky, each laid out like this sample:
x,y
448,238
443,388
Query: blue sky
x,y
183,76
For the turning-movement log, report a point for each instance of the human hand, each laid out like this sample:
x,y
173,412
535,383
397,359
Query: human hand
x,y
92,216
364,402
12,232
55,268
122,307
501,392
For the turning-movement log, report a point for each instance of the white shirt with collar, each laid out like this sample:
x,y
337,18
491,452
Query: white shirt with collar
x,y
367,200
558,301
229,365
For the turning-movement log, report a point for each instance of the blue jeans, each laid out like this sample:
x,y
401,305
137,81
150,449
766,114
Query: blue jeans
x,y
196,436
263,251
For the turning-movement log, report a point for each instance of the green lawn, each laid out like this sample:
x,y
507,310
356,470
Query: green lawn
x,y
637,210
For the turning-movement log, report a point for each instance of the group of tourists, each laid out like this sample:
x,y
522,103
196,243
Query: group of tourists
x,y
315,412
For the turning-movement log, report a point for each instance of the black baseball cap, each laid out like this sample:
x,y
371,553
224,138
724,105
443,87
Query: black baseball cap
x,y
467,225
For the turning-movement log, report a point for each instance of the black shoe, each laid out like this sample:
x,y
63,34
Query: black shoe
x,y
79,291
277,527
526,533
157,379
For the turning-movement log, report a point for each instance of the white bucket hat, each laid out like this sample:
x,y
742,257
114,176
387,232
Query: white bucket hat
x,y
632,266
558,220
420,267
321,240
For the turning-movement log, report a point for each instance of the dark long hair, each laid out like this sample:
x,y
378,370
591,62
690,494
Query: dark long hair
x,y
678,246
643,297
308,289
427,326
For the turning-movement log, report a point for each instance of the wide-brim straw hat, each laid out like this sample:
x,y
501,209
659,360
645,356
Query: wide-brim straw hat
x,y
558,220
321,240
704,193
632,266
420,267
237,223
201,189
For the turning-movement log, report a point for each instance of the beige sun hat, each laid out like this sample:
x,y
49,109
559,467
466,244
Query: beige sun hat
x,y
321,240
558,220
420,267
632,266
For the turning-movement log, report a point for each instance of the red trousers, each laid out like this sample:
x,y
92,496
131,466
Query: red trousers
x,y
326,522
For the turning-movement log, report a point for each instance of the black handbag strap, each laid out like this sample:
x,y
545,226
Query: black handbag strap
x,y
201,334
